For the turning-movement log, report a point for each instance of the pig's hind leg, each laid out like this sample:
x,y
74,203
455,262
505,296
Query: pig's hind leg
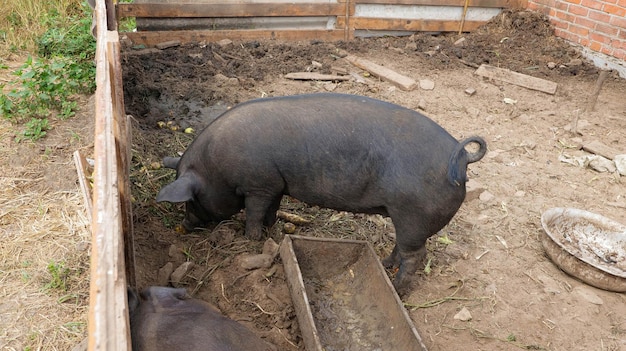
x,y
410,248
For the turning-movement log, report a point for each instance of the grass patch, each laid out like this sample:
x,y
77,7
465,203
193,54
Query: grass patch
x,y
45,86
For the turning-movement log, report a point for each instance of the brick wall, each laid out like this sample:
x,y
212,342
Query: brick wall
x,y
597,24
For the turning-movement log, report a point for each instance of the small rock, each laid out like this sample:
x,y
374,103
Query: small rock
x,y
601,164
574,63
620,164
588,294
257,261
472,111
473,189
427,84
421,104
460,42
270,247
175,253
470,91
551,65
411,46
463,315
232,82
225,42
163,276
316,64
180,272
486,196
520,193
490,119
330,86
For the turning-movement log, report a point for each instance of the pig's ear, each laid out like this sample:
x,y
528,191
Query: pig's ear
x,y
181,190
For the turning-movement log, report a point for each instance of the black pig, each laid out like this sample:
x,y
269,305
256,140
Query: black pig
x,y
344,152
167,319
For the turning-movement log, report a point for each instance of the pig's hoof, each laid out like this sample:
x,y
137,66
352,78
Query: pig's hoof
x,y
391,261
402,284
255,235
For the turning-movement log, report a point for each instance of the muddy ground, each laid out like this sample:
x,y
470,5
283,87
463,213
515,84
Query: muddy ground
x,y
489,259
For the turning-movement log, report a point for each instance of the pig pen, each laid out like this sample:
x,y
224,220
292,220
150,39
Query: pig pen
x,y
486,283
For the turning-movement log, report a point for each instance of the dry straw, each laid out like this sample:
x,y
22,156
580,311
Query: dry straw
x,y
44,253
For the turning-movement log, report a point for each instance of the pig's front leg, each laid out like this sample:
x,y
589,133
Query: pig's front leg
x,y
260,208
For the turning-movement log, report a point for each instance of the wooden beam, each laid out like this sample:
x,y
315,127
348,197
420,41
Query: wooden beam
x,y
195,36
456,3
108,326
409,25
519,79
83,180
230,10
315,76
403,82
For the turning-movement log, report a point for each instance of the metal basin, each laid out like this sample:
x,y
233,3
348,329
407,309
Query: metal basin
x,y
587,246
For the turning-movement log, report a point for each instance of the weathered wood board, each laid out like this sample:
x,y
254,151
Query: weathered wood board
x,y
397,79
519,79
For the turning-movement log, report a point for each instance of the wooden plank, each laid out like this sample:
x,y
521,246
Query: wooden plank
x,y
520,79
456,3
314,76
599,148
402,82
121,133
230,10
366,23
83,181
108,327
150,39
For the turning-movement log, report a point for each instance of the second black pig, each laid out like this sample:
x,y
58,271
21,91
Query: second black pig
x,y
344,152
167,319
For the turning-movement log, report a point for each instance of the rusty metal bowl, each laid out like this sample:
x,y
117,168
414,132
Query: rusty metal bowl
x,y
587,246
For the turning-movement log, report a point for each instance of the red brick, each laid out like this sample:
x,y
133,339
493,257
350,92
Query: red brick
x,y
578,10
575,1
620,54
560,5
595,46
607,50
607,29
584,41
618,21
578,30
614,10
622,34
599,38
621,3
557,23
599,16
564,16
532,6
585,22
592,4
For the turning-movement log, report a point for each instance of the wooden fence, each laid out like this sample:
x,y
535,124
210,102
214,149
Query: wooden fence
x,y
213,20
112,258
112,255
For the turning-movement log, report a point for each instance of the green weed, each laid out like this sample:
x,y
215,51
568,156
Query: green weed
x,y
46,86
58,276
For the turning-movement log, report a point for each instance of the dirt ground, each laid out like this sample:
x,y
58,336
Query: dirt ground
x,y
489,259
493,265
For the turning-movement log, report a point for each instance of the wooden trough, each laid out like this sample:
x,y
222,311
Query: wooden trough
x,y
112,256
343,297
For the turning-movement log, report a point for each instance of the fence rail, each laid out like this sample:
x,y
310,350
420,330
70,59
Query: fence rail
x,y
166,20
